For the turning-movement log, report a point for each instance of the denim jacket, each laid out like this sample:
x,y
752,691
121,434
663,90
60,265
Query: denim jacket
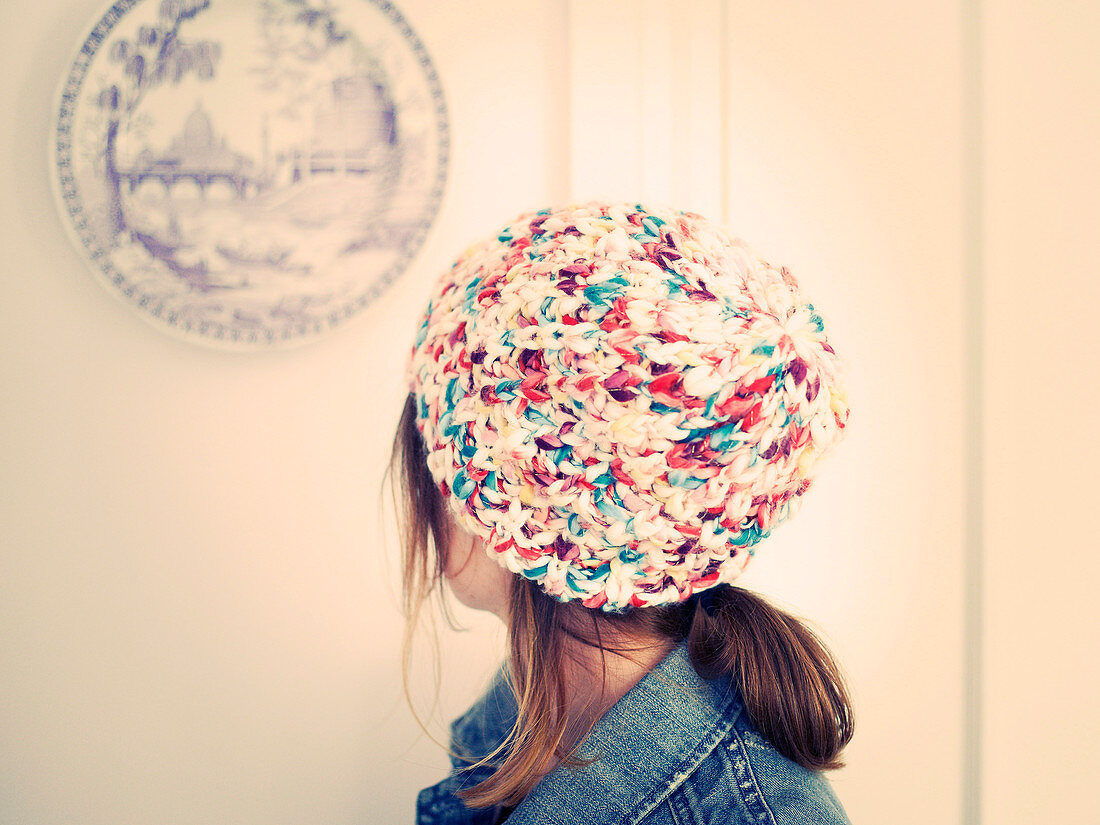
x,y
675,750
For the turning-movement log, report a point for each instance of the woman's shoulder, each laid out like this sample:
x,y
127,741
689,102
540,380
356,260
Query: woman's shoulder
x,y
676,749
745,776
474,735
486,724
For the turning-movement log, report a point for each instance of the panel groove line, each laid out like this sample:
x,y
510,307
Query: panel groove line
x,y
974,427
647,106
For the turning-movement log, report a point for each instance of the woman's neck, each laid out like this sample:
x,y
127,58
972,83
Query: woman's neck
x,y
599,678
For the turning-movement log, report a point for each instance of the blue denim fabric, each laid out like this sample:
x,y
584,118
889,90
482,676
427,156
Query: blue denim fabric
x,y
675,750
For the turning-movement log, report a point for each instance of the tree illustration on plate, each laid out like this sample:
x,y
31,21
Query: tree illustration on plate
x,y
155,56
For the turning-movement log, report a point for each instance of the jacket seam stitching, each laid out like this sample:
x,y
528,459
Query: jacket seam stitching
x,y
752,776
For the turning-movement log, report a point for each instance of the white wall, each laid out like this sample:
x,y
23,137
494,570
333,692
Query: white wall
x,y
198,591
198,609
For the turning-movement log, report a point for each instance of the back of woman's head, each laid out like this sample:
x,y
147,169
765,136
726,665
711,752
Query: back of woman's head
x,y
619,403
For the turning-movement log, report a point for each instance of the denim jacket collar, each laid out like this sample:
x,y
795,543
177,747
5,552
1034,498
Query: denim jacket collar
x,y
635,770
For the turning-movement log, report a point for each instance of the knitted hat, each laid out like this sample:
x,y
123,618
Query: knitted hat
x,y
622,401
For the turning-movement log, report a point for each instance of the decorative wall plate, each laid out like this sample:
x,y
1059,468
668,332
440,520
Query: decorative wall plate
x,y
249,172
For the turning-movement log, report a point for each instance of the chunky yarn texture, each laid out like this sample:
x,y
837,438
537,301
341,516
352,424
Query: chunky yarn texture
x,y
622,401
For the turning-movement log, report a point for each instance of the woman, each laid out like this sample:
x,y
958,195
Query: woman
x,y
609,407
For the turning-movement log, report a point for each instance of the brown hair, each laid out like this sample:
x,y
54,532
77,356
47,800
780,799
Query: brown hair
x,y
791,684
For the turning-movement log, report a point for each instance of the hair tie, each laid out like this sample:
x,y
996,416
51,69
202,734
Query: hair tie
x,y
709,597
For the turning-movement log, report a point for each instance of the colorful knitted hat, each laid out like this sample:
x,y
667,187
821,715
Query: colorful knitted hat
x,y
622,401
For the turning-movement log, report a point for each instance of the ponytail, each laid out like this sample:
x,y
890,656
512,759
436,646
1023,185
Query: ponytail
x,y
791,684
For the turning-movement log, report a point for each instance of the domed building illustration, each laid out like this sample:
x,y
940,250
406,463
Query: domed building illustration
x,y
196,154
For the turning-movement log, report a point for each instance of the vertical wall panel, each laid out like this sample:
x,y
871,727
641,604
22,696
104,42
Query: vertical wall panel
x,y
1042,176
698,108
657,119
844,161
607,93
646,102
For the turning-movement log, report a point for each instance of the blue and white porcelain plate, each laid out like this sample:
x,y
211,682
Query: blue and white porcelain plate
x,y
250,172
